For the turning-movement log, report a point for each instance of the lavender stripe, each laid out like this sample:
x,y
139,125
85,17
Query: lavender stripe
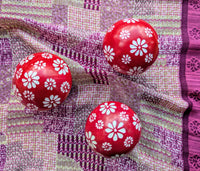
x,y
184,87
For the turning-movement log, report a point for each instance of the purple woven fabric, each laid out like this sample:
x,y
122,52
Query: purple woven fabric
x,y
166,97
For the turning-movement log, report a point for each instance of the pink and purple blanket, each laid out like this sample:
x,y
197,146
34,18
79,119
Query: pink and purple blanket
x,y
166,97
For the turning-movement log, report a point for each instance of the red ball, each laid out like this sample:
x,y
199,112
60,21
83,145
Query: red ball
x,y
42,81
112,129
131,46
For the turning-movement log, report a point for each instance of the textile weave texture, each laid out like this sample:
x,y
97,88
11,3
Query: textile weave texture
x,y
166,97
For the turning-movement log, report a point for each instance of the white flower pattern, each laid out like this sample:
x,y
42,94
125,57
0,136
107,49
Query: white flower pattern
x,y
39,65
60,66
92,117
138,47
111,28
107,108
107,146
124,34
136,122
109,53
17,93
31,79
50,83
116,68
115,130
65,87
149,58
91,139
99,124
28,95
31,106
124,116
126,59
30,57
128,141
135,70
148,32
125,107
25,60
47,55
19,73
52,101
130,20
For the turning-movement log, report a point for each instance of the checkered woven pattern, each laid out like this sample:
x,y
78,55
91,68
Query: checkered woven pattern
x,y
166,97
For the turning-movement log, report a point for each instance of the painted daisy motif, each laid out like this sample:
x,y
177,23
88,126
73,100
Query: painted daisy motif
x,y
19,73
124,34
92,117
47,55
65,87
17,93
126,59
106,146
25,60
31,79
124,116
39,65
135,70
128,141
136,122
111,28
60,66
149,58
91,139
109,53
116,68
32,106
50,84
52,101
99,124
28,95
125,107
138,47
148,32
115,130
30,57
130,20
107,108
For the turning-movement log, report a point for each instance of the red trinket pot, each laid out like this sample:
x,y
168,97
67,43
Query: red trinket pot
x,y
42,81
131,46
112,129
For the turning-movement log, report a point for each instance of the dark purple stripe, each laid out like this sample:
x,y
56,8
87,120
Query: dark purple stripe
x,y
184,87
61,52
94,79
2,156
96,75
59,143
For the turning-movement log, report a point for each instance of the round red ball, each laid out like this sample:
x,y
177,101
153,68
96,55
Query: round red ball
x,y
112,129
42,81
131,46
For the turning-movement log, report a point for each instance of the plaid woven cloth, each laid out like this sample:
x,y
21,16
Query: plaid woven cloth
x,y
166,97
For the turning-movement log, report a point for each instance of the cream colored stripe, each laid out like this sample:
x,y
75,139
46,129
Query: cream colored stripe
x,y
23,122
32,4
36,18
153,163
149,119
25,129
161,116
164,109
158,17
27,10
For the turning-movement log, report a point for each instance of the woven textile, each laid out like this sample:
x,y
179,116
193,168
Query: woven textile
x,y
166,97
